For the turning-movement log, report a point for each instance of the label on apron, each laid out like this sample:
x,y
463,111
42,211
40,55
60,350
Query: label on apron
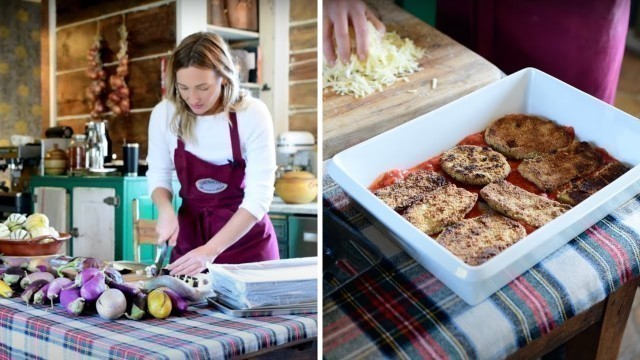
x,y
210,186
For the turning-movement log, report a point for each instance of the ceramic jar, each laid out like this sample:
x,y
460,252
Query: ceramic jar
x,y
55,161
297,187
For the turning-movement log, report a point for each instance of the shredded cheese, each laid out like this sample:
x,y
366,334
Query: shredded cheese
x,y
390,58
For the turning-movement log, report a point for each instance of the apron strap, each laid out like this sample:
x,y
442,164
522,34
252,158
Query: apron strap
x,y
235,137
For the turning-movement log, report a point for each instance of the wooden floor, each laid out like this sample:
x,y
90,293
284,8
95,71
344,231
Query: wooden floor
x,y
628,100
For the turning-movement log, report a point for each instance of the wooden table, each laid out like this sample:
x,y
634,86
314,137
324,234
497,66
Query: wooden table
x,y
593,334
348,121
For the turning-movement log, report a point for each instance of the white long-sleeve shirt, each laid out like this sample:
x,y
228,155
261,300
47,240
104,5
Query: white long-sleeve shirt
x,y
214,146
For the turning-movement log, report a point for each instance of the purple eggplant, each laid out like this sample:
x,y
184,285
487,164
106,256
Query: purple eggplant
x,y
40,297
91,263
80,263
71,300
35,276
86,275
185,291
13,275
92,289
33,287
136,299
56,287
178,304
113,274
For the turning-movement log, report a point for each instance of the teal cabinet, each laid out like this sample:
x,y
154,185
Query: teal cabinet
x,y
280,225
297,234
99,212
147,210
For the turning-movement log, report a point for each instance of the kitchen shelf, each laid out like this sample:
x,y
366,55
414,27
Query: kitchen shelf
x,y
233,34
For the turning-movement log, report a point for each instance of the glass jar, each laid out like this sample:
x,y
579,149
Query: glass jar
x,y
77,153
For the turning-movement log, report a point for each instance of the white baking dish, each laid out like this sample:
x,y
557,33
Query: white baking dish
x,y
528,91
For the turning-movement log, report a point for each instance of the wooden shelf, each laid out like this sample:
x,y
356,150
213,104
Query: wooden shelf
x,y
233,34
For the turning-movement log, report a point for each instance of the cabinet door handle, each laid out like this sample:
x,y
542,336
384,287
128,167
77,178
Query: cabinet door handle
x,y
112,200
309,237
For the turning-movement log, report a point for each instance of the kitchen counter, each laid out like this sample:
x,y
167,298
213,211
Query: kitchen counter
x,y
279,206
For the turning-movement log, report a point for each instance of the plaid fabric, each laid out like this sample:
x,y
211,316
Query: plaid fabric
x,y
399,310
39,332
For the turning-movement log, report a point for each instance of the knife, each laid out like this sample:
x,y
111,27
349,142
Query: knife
x,y
161,254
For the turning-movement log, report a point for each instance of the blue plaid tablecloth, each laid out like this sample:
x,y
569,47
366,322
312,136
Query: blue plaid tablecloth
x,y
397,309
40,332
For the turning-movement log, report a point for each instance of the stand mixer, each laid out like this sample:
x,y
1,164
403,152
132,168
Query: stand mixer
x,y
295,151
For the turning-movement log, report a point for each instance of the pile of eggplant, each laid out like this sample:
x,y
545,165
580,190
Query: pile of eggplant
x,y
98,287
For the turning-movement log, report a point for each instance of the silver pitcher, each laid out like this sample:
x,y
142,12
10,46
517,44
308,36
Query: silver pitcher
x,y
96,146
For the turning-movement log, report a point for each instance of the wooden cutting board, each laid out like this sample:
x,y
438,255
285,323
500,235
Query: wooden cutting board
x,y
348,121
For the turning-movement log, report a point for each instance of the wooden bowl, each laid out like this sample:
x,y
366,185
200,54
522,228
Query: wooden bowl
x,y
33,247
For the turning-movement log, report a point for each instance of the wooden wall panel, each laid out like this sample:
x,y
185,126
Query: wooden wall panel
x,y
71,94
303,66
152,31
144,82
303,36
303,95
152,35
132,128
304,121
304,69
72,45
303,56
149,34
303,10
71,11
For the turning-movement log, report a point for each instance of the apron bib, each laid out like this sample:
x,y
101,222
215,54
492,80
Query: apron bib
x,y
211,194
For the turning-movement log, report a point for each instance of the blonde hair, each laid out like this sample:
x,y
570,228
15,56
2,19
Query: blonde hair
x,y
203,50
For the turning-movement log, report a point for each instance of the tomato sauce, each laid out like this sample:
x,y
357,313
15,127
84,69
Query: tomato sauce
x,y
388,178
432,164
606,157
474,139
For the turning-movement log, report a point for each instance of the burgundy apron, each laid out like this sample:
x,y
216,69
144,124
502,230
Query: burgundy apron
x,y
579,42
211,194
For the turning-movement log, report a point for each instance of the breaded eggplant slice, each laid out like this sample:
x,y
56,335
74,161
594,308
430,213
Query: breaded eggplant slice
x,y
552,171
520,204
479,239
520,136
412,189
440,208
475,165
578,191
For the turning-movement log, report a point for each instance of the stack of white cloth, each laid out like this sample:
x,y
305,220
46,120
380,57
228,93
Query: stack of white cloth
x,y
275,283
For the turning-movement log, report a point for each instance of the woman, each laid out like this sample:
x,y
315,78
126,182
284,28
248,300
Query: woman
x,y
219,141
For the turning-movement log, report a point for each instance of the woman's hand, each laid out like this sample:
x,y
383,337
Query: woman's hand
x,y
193,262
337,16
167,227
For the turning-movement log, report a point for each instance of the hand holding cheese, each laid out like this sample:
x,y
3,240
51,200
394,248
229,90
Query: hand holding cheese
x,y
338,15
